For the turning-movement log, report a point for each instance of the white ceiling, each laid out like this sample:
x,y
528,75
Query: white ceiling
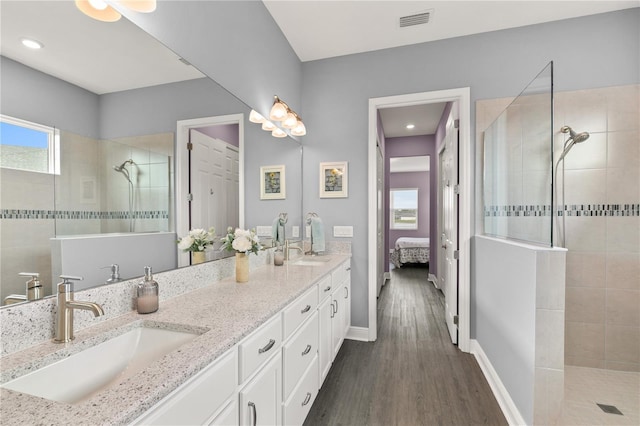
x,y
425,117
98,56
318,29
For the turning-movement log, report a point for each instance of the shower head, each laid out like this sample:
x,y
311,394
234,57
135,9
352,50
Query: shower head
x,y
574,138
122,166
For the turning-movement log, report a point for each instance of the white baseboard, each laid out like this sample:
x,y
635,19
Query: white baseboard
x,y
434,280
507,405
358,333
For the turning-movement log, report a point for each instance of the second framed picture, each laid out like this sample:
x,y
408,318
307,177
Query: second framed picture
x,y
334,180
272,183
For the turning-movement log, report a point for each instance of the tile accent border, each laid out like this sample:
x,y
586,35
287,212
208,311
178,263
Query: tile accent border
x,y
538,210
81,214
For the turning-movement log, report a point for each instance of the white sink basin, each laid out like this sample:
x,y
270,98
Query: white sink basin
x,y
314,261
81,375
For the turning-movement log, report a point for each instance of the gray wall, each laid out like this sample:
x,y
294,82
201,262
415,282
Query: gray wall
x,y
236,43
495,64
35,96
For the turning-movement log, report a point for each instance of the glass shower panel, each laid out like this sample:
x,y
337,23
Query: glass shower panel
x,y
518,179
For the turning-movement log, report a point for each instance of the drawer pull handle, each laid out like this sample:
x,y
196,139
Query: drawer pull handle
x,y
327,288
307,399
255,413
307,350
347,290
267,347
348,269
306,309
336,302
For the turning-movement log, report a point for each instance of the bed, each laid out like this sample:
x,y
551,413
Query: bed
x,y
410,250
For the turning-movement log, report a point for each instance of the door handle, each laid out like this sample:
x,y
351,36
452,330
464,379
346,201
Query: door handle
x,y
306,309
267,346
255,413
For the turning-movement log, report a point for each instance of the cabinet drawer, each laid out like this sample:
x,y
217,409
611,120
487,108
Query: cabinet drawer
x,y
297,407
324,288
259,346
298,353
340,273
198,399
299,310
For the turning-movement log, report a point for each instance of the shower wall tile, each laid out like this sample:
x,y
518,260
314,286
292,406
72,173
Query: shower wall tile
x,y
585,109
623,270
585,305
623,150
623,344
584,341
582,185
590,154
623,185
623,307
586,269
623,234
585,233
549,339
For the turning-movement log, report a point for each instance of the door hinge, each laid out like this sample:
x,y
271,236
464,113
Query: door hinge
x,y
456,254
189,197
456,123
189,146
456,189
455,320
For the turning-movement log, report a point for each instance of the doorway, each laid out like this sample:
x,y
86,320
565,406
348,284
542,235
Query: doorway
x,y
462,98
185,129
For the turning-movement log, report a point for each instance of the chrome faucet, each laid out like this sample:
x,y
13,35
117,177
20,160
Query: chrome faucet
x,y
288,246
66,305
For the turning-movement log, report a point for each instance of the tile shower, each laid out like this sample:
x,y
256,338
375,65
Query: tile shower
x,y
602,199
88,197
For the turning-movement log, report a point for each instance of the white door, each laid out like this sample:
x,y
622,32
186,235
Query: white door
x,y
380,226
449,237
325,348
261,399
207,181
232,185
337,321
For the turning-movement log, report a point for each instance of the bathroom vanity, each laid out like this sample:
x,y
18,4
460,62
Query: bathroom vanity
x,y
261,352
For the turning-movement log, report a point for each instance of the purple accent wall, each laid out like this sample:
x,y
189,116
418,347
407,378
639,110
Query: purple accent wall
x,y
230,133
408,147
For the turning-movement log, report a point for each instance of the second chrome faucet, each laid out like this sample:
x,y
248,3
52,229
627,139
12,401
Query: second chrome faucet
x,y
66,306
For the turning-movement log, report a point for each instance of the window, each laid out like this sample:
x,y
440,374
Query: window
x,y
28,146
404,208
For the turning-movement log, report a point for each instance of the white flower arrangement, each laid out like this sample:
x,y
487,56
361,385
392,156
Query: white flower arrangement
x,y
241,241
197,240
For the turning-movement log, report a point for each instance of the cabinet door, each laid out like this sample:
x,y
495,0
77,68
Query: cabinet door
x,y
346,303
228,416
337,322
261,398
325,348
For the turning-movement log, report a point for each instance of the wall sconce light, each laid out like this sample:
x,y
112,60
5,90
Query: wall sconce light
x,y
287,117
278,133
102,11
268,126
256,117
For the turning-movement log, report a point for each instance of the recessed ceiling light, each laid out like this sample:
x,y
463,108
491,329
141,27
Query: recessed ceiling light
x,y
31,43
410,126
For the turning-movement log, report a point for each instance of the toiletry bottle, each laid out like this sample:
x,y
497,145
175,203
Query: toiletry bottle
x,y
147,293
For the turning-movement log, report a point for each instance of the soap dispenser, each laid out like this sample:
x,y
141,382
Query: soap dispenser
x,y
147,293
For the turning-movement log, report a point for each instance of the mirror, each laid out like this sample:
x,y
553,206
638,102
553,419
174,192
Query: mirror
x,y
104,116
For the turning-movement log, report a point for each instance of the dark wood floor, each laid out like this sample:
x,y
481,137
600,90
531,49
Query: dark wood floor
x,y
411,375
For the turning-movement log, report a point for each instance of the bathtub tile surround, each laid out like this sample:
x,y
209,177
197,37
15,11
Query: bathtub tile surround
x,y
204,296
602,208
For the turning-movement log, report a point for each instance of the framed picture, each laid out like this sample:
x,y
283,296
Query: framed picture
x,y
334,180
272,183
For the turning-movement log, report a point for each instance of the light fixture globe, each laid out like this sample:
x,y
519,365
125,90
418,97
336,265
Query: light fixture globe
x,y
290,121
278,133
144,6
98,10
279,110
268,126
256,117
299,130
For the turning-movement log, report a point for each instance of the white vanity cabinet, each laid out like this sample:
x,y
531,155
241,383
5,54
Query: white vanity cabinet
x,y
261,398
208,398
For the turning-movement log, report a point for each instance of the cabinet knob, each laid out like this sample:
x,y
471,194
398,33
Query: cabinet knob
x,y
327,288
306,309
307,350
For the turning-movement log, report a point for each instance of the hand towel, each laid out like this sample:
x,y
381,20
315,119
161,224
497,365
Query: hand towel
x,y
317,234
277,231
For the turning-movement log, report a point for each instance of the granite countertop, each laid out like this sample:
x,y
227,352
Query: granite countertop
x,y
224,312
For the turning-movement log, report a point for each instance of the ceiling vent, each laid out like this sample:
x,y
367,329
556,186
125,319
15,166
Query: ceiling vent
x,y
416,19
